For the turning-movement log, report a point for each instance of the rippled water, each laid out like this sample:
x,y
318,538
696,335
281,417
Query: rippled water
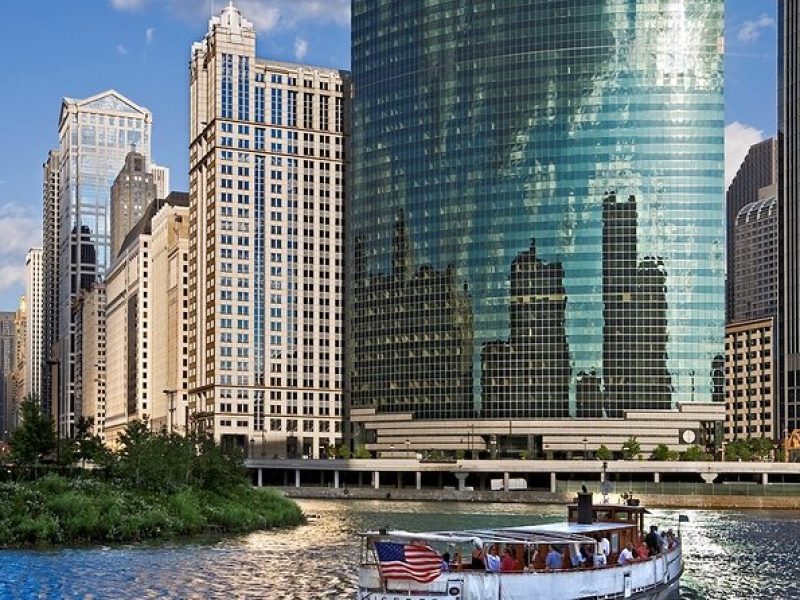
x,y
729,555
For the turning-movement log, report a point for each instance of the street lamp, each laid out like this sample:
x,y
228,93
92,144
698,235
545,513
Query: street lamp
x,y
585,449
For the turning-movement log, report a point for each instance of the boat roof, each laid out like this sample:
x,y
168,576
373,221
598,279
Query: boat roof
x,y
554,533
619,507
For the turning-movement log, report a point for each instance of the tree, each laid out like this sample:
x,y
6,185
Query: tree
x,y
695,453
662,452
761,447
362,452
603,453
35,438
343,451
631,448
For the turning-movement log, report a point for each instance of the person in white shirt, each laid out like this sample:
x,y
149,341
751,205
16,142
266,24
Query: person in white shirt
x,y
605,546
626,556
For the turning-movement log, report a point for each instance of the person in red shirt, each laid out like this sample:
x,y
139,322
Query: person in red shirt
x,y
509,563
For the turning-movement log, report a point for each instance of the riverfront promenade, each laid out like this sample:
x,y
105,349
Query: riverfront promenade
x,y
752,484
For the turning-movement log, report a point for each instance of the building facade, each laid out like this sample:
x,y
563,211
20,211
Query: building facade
x,y
750,379
132,192
91,382
788,321
7,354
758,170
169,287
16,391
51,170
34,294
755,246
161,180
267,190
95,134
581,242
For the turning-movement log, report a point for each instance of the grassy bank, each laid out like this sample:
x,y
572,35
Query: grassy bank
x,y
55,510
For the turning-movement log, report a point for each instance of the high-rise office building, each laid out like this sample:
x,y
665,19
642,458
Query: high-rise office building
x,y
50,196
267,187
582,239
758,170
96,134
169,316
129,335
160,179
34,295
90,380
755,248
788,321
15,385
132,192
6,368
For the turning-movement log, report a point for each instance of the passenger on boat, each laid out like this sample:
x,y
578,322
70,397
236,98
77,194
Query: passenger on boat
x,y
641,551
509,563
588,555
445,562
457,561
605,546
492,560
626,556
477,554
670,539
600,559
653,540
554,559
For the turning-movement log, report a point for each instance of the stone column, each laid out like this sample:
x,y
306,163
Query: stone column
x,y
297,478
336,479
764,478
656,477
376,480
260,477
322,478
419,480
505,482
462,479
553,483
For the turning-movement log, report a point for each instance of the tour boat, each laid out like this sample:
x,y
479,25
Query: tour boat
x,y
402,565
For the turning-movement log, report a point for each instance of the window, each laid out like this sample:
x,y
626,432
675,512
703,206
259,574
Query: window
x,y
276,115
244,88
227,86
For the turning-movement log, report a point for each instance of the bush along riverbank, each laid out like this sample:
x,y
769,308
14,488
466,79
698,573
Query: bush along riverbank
x,y
155,485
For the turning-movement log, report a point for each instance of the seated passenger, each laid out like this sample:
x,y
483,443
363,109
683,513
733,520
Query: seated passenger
x,y
508,563
492,560
588,555
626,556
445,562
554,559
457,561
600,559
641,551
477,554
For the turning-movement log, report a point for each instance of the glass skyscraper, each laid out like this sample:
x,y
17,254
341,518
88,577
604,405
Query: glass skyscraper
x,y
537,218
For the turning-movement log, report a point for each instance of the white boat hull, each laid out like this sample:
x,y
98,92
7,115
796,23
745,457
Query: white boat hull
x,y
654,579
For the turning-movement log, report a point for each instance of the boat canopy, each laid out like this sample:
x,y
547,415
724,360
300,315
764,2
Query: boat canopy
x,y
509,535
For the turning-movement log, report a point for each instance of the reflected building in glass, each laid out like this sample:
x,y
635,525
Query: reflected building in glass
x,y
95,135
562,164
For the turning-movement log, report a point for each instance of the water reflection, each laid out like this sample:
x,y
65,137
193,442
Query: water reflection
x,y
730,555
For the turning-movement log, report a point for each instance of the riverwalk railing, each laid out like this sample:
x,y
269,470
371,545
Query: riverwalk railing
x,y
683,488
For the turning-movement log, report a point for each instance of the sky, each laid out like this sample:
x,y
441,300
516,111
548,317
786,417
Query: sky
x,y
76,48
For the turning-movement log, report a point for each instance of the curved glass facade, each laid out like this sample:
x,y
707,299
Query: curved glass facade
x,y
536,227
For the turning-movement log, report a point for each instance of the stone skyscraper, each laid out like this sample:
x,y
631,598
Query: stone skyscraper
x,y
131,194
50,309
268,144
34,295
95,135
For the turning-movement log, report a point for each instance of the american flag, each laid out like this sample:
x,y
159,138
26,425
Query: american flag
x,y
408,561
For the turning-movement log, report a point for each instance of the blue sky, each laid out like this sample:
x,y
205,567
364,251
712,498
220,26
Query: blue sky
x,y
57,48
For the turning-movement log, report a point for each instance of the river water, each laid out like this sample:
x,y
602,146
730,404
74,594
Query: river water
x,y
729,555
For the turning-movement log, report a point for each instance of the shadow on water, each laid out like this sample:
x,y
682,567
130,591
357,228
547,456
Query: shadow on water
x,y
729,555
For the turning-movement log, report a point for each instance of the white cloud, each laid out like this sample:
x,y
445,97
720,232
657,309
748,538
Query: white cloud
x,y
300,48
128,4
20,229
149,35
738,139
122,49
266,15
751,30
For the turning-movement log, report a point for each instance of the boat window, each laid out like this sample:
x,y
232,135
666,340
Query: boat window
x,y
615,542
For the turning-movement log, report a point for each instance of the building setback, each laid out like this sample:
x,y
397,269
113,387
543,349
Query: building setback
x,y
132,192
575,248
50,309
267,187
95,135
